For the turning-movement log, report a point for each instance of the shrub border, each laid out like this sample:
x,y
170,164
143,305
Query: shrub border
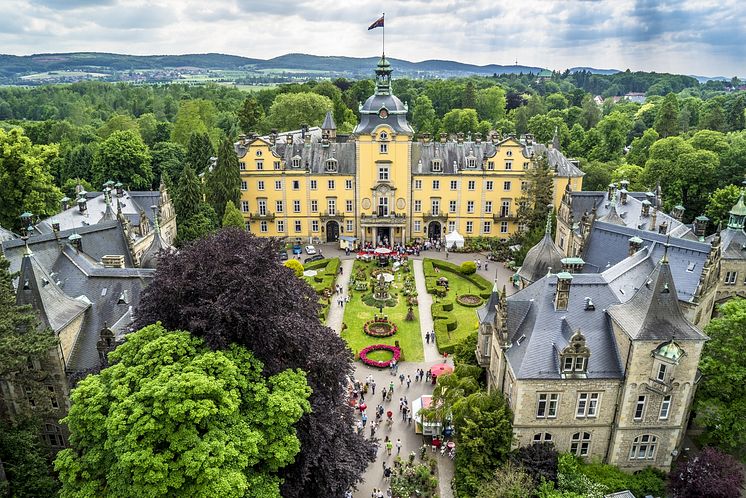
x,y
379,347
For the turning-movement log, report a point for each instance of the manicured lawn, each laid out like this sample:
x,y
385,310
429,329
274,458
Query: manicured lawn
x,y
465,316
357,313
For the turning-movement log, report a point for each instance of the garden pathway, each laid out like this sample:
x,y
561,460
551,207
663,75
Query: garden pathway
x,y
336,313
424,301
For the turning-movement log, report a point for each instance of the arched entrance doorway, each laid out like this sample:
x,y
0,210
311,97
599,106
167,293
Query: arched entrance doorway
x,y
332,231
434,230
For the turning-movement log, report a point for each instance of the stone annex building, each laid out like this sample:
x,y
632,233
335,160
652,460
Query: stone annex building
x,y
380,185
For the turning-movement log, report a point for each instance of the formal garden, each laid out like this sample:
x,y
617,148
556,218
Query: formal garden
x,y
457,293
381,321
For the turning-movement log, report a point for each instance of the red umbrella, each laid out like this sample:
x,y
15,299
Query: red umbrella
x,y
440,369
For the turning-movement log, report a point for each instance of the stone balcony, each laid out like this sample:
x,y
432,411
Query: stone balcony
x,y
369,219
437,216
267,216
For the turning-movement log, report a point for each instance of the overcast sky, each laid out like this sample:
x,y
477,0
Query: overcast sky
x,y
703,37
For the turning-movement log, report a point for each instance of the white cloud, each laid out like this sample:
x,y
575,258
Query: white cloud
x,y
686,36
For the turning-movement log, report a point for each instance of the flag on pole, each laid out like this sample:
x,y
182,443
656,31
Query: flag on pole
x,y
377,24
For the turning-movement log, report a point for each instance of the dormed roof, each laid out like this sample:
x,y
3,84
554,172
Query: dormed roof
x,y
486,313
383,107
542,257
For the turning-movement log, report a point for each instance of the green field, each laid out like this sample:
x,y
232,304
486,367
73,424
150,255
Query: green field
x,y
62,74
357,313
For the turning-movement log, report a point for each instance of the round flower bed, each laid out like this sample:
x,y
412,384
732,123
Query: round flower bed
x,y
396,354
379,327
469,300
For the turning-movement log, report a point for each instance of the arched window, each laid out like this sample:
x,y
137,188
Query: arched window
x,y
383,136
258,153
331,166
580,444
643,447
509,153
542,437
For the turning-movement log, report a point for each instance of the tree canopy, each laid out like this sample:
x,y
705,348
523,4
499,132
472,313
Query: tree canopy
x,y
241,295
172,417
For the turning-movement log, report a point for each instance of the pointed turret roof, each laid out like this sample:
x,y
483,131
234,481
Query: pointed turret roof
x,y
737,214
653,313
36,288
613,216
329,122
150,256
542,256
486,313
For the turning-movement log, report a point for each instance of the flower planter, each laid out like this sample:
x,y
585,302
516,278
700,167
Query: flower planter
x,y
396,352
470,300
379,327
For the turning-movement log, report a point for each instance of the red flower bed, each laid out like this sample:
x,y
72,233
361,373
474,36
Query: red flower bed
x,y
379,327
379,347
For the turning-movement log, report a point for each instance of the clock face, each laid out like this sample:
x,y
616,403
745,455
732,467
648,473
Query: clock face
x,y
383,114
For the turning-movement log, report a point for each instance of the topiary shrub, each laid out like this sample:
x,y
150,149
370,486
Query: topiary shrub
x,y
468,267
294,265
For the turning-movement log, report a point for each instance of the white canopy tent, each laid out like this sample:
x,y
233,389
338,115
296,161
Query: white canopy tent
x,y
454,239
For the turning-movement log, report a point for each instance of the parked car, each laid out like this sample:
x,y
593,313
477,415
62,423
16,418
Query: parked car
x,y
297,249
310,250
283,255
315,257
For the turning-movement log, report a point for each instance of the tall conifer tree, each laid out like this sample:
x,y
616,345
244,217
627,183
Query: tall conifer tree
x,y
224,182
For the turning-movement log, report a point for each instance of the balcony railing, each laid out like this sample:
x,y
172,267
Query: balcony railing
x,y
331,215
439,215
389,219
268,216
504,216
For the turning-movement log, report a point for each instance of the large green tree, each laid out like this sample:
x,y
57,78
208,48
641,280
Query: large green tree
x,y
721,397
171,417
25,460
538,197
199,151
290,110
194,217
224,181
423,115
250,114
168,158
232,217
491,104
124,157
640,148
194,116
26,183
667,119
721,202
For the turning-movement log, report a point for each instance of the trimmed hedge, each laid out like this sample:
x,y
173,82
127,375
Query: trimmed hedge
x,y
443,324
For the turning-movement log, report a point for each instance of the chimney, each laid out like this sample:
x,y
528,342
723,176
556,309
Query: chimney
x,y
303,130
645,208
663,228
623,195
589,306
55,227
325,139
700,225
653,219
426,138
478,137
562,296
120,189
65,203
273,137
443,137
635,243
678,212
495,137
611,191
624,184
76,241
306,138
460,137
82,204
242,139
289,139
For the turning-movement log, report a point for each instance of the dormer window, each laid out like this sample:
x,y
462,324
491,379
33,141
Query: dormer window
x,y
436,165
296,161
471,162
574,358
258,153
666,357
331,166
383,136
383,113
509,153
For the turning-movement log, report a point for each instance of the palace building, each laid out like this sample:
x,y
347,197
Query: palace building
x,y
380,185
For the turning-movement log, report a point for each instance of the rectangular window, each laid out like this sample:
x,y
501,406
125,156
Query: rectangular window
x,y
451,226
348,184
277,165
506,185
417,226
259,164
471,185
279,206
731,277
525,165
454,184
547,405
260,185
524,185
262,206
348,206
469,206
418,184
314,206
263,226
245,206
280,225
297,226
313,185
505,209
296,184
384,148
242,166
488,185
487,227
53,397
331,184
383,206
587,405
383,173
665,407
490,165
488,207
350,226
639,407
296,206
278,184
508,165
452,206
417,206
331,206
469,226
244,185
435,206
314,225
661,377
436,184
503,227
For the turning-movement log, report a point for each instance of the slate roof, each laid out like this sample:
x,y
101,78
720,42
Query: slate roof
x,y
545,255
452,155
608,244
733,243
486,314
538,332
6,235
370,119
313,156
150,256
557,160
328,123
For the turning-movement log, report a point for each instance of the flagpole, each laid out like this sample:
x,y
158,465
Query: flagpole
x,y
383,35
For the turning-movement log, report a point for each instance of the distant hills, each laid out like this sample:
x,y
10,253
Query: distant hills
x,y
105,65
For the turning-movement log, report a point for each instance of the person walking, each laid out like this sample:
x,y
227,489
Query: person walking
x,y
373,387
389,445
401,379
398,446
364,419
427,337
409,381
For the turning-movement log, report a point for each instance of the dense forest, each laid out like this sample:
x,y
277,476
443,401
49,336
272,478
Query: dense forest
x,y
686,136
